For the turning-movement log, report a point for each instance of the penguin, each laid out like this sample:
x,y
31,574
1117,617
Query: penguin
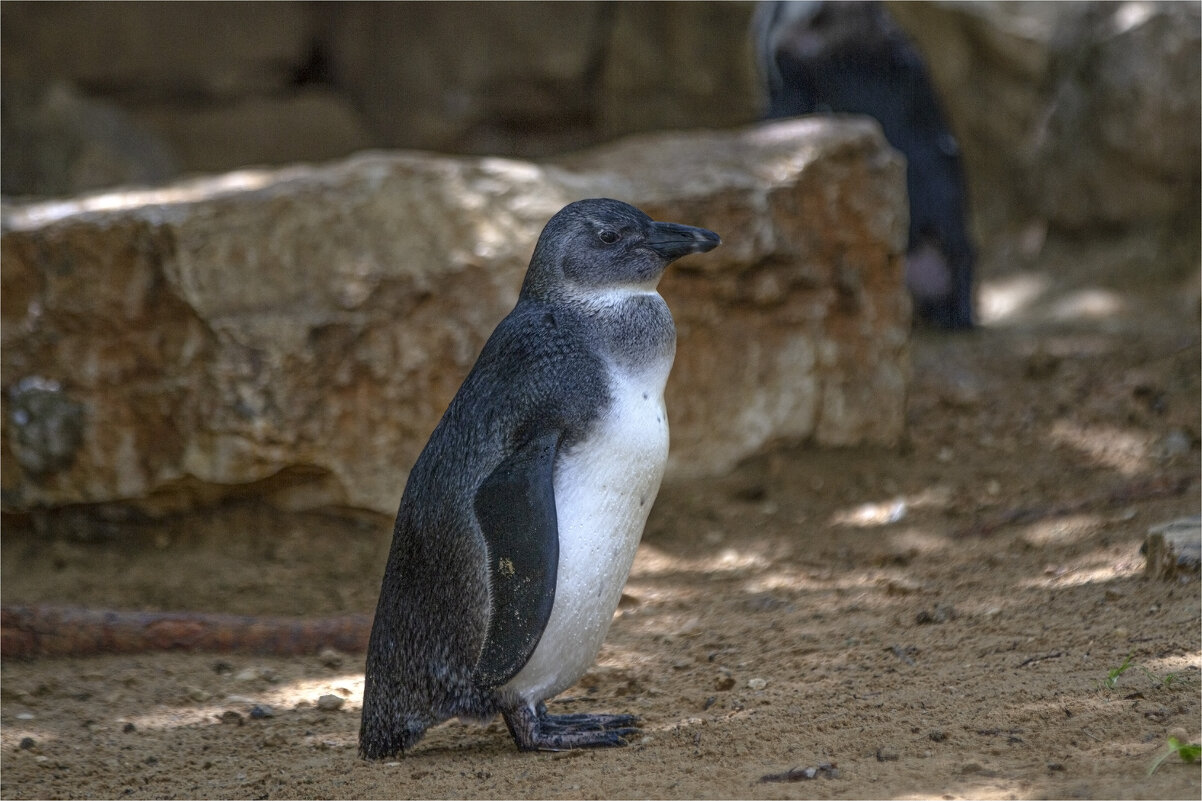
x,y
853,57
521,517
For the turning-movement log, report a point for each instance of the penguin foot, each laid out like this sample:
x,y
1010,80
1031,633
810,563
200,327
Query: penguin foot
x,y
536,730
584,720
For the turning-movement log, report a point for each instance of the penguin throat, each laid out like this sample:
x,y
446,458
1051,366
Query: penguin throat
x,y
615,297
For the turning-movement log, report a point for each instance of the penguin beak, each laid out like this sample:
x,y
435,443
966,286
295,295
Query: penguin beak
x,y
672,240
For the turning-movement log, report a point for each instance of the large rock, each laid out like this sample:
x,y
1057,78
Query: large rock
x,y
1085,115
1123,143
676,65
538,78
476,77
298,333
142,51
55,141
304,125
524,79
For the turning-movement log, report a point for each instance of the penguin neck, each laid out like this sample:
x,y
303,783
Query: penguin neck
x,y
603,300
633,328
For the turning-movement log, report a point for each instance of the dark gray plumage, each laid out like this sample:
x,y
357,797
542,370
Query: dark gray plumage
x,y
519,520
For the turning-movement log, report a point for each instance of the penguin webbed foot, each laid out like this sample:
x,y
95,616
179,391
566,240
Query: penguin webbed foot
x,y
584,721
537,730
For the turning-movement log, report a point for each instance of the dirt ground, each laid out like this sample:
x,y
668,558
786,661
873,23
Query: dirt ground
x,y
938,621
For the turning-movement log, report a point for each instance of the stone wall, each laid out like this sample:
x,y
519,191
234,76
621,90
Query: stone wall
x,y
297,333
219,86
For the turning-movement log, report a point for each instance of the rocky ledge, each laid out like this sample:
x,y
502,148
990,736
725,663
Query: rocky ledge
x,y
297,333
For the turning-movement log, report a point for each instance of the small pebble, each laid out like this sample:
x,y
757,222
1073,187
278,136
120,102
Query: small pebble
x,y
129,727
886,754
198,695
900,586
1176,443
826,769
230,716
253,673
27,743
275,740
940,614
937,735
330,658
757,684
260,711
963,394
24,716
1042,364
724,682
330,703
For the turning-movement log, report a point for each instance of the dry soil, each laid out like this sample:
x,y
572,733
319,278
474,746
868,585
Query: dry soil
x,y
943,620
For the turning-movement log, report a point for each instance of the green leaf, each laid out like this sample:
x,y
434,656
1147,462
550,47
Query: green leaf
x,y
1189,752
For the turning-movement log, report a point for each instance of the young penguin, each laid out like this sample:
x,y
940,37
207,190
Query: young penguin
x,y
521,518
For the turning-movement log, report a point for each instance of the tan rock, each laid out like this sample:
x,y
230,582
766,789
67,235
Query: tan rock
x,y
302,330
1082,114
1174,550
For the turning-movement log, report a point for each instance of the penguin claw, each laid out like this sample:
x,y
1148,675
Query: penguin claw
x,y
535,730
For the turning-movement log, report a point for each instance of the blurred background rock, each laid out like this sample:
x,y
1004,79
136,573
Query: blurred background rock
x,y
222,85
1079,117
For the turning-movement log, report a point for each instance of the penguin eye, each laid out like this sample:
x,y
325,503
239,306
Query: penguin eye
x,y
608,237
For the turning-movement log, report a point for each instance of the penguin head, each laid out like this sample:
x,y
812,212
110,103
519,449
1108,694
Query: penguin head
x,y
601,245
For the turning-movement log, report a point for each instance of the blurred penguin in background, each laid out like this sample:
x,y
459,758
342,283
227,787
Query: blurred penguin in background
x,y
852,57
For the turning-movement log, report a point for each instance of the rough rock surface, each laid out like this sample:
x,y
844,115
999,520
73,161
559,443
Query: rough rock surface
x,y
301,331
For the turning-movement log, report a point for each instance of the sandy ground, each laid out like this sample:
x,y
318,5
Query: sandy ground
x,y
886,618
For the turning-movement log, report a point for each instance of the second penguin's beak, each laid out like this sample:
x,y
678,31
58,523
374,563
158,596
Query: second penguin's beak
x,y
673,240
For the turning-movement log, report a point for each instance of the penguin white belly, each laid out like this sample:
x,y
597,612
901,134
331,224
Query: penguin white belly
x,y
604,489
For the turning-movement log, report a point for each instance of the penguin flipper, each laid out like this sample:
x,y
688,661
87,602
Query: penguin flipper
x,y
515,507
